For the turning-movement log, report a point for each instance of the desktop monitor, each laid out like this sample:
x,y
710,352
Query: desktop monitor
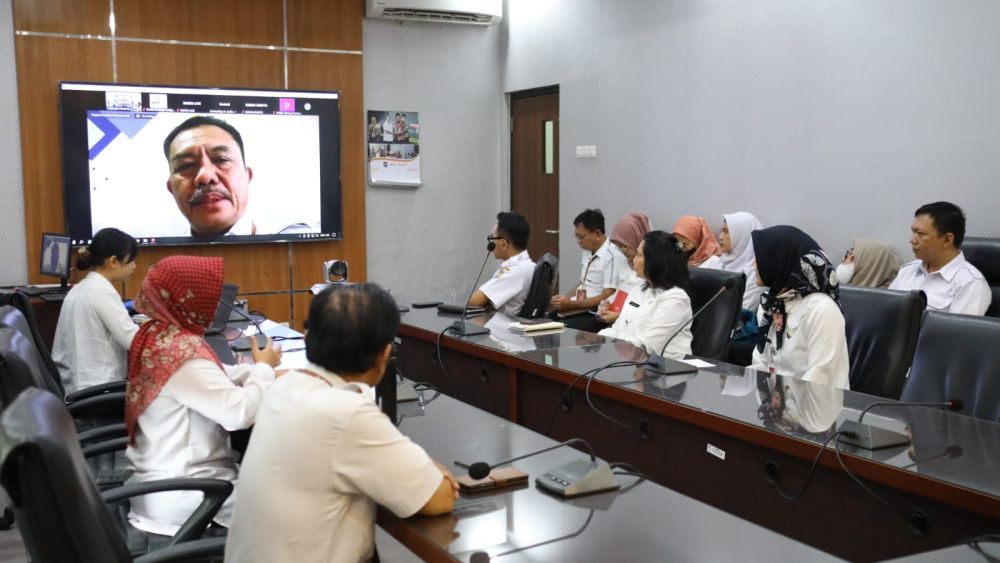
x,y
253,166
55,257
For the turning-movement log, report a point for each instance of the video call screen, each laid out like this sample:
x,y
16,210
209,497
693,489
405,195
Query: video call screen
x,y
284,185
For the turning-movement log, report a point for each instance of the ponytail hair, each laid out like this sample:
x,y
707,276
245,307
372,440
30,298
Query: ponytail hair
x,y
107,243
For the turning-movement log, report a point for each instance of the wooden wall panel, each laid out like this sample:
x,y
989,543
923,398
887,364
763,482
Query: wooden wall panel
x,y
325,24
324,71
185,65
63,16
218,21
41,63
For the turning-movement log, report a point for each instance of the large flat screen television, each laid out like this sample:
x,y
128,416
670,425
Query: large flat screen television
x,y
184,165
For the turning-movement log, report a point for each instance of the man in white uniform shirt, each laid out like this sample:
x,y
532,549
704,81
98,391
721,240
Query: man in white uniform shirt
x,y
603,268
508,289
952,285
322,454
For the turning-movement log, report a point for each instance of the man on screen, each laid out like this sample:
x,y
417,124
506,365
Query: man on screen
x,y
210,180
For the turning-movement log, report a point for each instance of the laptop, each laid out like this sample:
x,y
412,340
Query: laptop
x,y
221,319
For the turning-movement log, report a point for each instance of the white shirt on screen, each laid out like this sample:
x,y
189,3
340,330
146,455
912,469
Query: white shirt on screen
x,y
604,269
93,335
321,457
508,289
815,343
650,317
185,433
958,287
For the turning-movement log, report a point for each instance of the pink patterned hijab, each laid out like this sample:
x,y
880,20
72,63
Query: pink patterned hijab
x,y
180,295
631,229
696,230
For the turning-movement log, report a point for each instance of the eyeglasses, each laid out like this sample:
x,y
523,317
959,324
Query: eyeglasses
x,y
491,238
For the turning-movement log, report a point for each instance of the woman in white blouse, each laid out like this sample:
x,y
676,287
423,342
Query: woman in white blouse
x,y
737,253
658,309
801,325
94,330
181,401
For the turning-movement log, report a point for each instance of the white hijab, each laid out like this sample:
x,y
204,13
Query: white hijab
x,y
740,258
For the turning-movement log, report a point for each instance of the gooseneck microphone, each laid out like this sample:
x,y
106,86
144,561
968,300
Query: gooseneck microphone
x,y
480,469
260,331
461,327
873,437
950,404
725,287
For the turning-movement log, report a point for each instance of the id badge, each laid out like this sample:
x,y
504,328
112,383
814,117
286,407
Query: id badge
x,y
581,294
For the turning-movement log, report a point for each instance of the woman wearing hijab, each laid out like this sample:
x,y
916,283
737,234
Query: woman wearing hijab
x,y
181,402
869,263
627,236
697,240
801,325
736,246
662,305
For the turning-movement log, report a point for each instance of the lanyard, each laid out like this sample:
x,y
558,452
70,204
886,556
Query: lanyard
x,y
586,271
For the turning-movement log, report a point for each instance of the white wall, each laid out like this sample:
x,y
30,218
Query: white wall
x,y
430,241
12,239
840,117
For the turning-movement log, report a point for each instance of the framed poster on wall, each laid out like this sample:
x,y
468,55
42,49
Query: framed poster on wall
x,y
393,148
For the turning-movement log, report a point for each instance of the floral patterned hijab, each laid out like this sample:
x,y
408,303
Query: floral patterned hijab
x,y
180,295
791,264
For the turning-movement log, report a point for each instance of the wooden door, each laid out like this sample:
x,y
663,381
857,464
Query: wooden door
x,y
534,166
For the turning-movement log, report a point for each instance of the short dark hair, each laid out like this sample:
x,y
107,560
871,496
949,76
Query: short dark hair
x,y
349,327
591,219
201,121
106,243
514,227
947,218
665,264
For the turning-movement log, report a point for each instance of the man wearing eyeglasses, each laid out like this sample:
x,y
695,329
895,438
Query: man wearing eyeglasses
x,y
508,289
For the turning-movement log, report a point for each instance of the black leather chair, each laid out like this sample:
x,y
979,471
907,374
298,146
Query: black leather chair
x,y
958,357
61,515
882,329
712,331
542,288
23,304
984,254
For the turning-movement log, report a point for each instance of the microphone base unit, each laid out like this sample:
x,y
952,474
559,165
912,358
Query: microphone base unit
x,y
870,437
669,366
464,328
243,343
581,477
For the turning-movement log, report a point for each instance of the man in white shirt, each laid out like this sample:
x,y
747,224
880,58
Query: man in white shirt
x,y
508,289
952,285
603,268
322,454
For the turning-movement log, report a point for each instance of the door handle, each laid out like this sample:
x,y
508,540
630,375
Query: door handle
x,y
552,231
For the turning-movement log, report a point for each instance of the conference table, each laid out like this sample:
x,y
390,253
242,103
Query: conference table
x,y
718,434
642,521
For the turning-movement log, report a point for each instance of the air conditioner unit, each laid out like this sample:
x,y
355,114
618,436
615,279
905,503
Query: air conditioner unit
x,y
474,12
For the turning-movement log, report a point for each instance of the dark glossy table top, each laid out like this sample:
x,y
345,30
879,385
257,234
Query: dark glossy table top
x,y
947,446
646,522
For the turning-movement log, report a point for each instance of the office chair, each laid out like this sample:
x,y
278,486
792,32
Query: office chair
x,y
984,254
542,288
61,515
957,357
882,327
712,331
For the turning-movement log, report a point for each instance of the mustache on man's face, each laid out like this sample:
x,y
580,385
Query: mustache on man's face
x,y
205,190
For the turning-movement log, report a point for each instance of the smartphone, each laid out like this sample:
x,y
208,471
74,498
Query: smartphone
x,y
425,304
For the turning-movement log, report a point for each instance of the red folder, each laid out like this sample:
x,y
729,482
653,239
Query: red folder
x,y
619,301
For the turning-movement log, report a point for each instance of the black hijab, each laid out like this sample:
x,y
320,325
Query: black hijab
x,y
789,259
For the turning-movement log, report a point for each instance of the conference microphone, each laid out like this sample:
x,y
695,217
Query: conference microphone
x,y
484,557
239,342
570,480
461,327
870,437
667,366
